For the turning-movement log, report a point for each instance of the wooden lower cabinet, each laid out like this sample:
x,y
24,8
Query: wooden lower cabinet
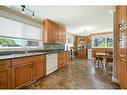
x,y
5,77
82,53
19,72
26,70
67,57
63,59
38,68
21,75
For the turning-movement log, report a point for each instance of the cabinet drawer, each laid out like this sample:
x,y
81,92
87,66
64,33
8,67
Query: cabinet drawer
x,y
5,63
39,58
21,60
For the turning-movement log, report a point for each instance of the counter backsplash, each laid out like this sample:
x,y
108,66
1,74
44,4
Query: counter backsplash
x,y
50,46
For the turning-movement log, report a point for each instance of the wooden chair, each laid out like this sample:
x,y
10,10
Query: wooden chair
x,y
108,59
100,60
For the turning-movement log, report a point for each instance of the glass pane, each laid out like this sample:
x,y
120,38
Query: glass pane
x,y
109,42
10,42
32,43
103,42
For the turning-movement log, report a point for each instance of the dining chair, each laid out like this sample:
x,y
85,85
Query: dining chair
x,y
108,59
100,60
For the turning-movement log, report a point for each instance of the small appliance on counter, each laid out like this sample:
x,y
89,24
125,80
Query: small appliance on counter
x,y
71,53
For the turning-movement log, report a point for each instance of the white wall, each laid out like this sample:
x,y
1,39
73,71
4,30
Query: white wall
x,y
70,38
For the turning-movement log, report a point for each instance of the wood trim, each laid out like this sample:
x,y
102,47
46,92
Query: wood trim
x,y
104,33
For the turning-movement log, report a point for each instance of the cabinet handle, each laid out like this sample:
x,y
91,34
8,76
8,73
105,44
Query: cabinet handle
x,y
120,38
120,25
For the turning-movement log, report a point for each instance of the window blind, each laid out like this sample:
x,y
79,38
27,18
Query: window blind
x,y
10,28
31,32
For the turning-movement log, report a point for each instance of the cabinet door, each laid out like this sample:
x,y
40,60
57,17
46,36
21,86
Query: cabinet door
x,y
122,78
5,81
38,70
49,32
21,75
62,59
61,63
39,67
121,46
64,37
67,57
5,78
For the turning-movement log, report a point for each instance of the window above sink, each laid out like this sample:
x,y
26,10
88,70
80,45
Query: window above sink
x,y
17,44
16,35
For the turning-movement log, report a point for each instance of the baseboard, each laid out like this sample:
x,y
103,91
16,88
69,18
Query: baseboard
x,y
114,79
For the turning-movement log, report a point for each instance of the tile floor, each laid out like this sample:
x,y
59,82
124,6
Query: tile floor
x,y
78,74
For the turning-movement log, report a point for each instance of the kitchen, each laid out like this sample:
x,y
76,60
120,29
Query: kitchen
x,y
46,54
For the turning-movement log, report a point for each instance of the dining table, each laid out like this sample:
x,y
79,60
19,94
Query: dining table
x,y
100,55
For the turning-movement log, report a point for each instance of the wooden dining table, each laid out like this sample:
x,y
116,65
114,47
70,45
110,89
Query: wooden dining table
x,y
100,55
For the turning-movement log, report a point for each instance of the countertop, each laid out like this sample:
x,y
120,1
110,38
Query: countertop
x,y
20,55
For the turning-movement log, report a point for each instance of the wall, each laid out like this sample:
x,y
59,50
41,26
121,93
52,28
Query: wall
x,y
13,14
69,41
100,50
50,46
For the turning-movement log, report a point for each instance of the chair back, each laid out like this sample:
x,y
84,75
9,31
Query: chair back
x,y
109,56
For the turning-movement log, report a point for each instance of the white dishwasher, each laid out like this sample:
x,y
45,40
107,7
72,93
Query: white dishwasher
x,y
51,63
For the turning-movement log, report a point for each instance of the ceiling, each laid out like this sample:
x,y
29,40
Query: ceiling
x,y
78,19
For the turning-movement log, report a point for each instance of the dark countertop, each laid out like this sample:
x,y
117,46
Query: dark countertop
x,y
20,55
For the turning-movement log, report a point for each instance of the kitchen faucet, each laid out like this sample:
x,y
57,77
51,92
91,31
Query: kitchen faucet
x,y
25,50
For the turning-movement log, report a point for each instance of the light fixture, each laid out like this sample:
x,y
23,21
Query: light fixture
x,y
24,9
33,16
83,31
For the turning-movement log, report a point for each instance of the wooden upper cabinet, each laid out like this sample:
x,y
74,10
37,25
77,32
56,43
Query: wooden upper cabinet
x,y
121,52
21,72
5,77
53,32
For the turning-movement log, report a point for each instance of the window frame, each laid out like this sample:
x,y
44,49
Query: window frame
x,y
101,36
23,37
20,48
